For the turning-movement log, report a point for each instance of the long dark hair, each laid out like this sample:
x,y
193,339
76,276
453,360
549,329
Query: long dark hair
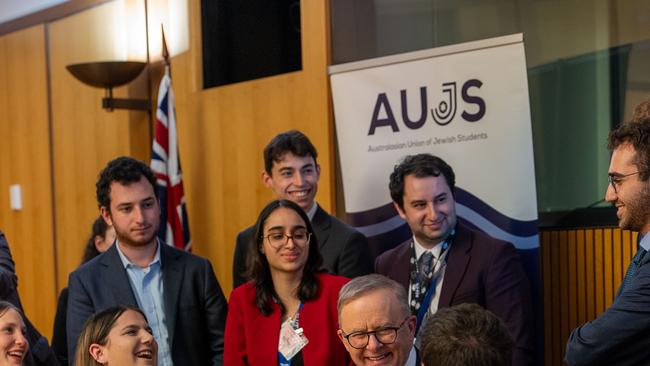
x,y
100,227
258,266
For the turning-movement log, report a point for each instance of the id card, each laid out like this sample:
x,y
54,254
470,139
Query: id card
x,y
291,340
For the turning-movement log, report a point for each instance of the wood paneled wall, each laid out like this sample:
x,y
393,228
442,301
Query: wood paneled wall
x,y
25,160
222,133
84,136
581,272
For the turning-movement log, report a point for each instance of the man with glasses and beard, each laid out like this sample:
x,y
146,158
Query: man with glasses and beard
x,y
619,335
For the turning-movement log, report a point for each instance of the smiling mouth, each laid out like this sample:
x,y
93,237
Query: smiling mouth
x,y
146,354
378,358
300,194
17,354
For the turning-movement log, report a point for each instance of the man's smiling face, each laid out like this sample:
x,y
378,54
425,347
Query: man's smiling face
x,y
294,178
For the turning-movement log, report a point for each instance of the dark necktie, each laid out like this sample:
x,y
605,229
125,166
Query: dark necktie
x,y
634,265
426,262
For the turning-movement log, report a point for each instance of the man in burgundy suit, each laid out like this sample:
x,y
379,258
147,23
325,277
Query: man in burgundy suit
x,y
446,263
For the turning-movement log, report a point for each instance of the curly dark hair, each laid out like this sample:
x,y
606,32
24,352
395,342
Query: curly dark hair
x,y
636,134
292,141
465,334
123,170
420,165
259,272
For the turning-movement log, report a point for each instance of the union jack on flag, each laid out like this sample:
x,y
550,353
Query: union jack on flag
x,y
166,165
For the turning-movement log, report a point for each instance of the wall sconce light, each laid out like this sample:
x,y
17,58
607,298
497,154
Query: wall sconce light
x,y
110,74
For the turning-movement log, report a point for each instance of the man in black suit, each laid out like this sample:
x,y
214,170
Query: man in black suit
x,y
291,172
446,263
618,336
39,351
178,291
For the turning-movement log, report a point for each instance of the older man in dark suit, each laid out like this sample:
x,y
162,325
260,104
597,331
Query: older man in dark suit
x,y
40,353
177,291
447,263
292,173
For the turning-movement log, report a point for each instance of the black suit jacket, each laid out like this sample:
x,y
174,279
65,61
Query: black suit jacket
x,y
345,251
481,270
619,336
195,307
39,351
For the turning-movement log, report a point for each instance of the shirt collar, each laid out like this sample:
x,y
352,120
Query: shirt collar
x,y
645,242
126,262
419,249
312,211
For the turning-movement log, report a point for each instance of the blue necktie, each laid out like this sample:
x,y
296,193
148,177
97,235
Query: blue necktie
x,y
634,265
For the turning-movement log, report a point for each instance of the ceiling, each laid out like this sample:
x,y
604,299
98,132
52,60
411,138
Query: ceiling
x,y
12,9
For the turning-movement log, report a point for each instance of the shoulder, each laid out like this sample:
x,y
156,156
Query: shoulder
x,y
245,234
484,241
390,254
330,285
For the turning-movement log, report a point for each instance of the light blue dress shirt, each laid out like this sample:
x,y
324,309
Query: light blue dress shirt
x,y
147,284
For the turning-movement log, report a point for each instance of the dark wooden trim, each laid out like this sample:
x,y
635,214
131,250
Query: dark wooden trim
x,y
47,15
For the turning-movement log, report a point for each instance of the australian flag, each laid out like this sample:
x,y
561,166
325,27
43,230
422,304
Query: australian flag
x,y
166,165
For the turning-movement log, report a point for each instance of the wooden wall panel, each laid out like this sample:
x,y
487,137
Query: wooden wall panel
x,y
85,137
222,133
581,272
25,160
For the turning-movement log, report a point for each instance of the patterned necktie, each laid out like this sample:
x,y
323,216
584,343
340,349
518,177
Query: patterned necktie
x,y
426,262
634,265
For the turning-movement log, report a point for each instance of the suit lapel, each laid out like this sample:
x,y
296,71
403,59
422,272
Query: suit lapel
x,y
400,270
116,278
457,261
172,272
321,224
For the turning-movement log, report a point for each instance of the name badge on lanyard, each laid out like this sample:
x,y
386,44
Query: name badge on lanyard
x,y
292,340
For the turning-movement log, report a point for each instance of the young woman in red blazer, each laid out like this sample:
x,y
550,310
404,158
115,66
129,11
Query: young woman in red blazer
x,y
285,295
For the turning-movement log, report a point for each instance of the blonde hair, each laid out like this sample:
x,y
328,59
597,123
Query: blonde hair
x,y
96,330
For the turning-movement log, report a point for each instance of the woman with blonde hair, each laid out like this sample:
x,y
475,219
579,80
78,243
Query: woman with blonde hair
x,y
13,343
118,336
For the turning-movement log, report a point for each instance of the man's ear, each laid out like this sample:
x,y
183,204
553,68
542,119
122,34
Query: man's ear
x,y
340,334
318,171
399,210
267,179
97,352
106,215
412,323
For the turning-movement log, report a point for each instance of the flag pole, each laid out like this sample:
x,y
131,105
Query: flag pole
x,y
165,50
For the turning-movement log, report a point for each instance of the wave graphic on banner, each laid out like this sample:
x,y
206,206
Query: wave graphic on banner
x,y
385,229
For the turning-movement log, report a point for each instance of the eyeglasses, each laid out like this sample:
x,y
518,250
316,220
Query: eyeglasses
x,y
615,180
278,240
385,335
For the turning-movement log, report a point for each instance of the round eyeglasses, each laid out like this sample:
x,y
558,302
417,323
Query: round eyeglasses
x,y
278,240
384,335
615,179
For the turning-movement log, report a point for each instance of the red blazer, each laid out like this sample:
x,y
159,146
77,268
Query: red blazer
x,y
252,338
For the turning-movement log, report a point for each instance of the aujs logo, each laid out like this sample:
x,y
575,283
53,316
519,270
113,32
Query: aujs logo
x,y
442,114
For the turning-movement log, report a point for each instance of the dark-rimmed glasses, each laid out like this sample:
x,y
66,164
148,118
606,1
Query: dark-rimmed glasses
x,y
615,179
278,240
384,335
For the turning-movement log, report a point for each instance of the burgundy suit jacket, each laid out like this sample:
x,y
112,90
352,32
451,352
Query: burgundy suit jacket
x,y
252,338
481,270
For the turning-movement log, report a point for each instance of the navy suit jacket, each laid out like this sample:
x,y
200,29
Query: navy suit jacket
x,y
481,270
345,251
195,307
619,336
39,351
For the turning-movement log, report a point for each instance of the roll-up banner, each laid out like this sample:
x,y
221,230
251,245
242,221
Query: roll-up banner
x,y
466,103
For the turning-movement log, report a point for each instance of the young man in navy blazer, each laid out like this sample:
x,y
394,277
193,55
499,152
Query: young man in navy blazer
x,y
619,335
177,291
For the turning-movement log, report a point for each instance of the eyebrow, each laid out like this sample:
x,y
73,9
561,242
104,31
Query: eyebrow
x,y
282,227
